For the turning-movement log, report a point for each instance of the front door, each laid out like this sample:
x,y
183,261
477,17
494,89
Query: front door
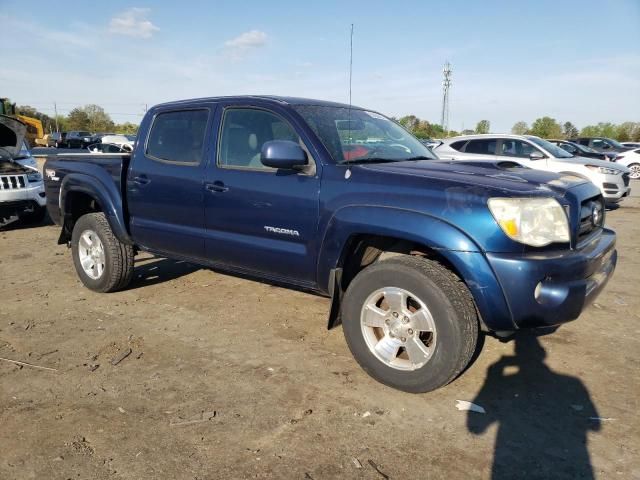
x,y
260,219
165,184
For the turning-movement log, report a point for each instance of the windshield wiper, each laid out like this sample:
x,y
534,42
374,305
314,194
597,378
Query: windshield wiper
x,y
367,160
419,157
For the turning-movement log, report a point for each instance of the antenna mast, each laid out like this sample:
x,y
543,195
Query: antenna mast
x,y
446,85
350,63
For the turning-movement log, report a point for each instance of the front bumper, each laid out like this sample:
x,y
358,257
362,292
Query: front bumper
x,y
550,288
615,187
33,192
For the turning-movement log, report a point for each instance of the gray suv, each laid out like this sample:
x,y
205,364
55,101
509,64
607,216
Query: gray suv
x,y
78,139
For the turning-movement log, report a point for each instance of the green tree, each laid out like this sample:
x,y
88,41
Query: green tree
x,y
569,130
90,117
520,128
63,123
127,128
483,126
99,120
590,131
602,129
410,122
78,120
546,127
628,132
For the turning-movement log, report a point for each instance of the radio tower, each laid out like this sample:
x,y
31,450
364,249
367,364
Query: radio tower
x,y
446,85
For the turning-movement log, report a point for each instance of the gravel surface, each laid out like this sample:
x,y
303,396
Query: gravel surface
x,y
232,378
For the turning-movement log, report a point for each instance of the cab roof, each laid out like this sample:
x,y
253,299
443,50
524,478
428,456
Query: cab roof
x,y
264,98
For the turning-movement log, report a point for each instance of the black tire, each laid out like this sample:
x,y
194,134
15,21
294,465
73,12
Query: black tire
x,y
118,265
35,217
452,308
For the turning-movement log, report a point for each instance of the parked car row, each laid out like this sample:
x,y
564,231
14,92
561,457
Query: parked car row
x,y
534,152
83,139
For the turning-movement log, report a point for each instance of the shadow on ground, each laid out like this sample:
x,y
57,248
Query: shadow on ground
x,y
158,270
542,417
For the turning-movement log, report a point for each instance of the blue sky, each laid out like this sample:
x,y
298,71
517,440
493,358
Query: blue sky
x,y
573,60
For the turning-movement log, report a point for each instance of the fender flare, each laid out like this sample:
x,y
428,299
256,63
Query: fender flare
x,y
436,234
107,195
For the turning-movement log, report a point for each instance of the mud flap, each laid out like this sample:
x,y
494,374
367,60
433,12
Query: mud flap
x,y
335,289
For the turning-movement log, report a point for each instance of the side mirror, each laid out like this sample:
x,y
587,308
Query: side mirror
x,y
536,156
283,154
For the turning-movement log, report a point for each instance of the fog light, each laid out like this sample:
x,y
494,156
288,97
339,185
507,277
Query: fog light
x,y
550,294
537,292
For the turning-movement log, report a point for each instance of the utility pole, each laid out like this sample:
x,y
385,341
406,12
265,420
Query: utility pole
x,y
446,85
55,109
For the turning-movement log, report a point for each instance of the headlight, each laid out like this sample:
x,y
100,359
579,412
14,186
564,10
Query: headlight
x,y
604,170
34,177
532,221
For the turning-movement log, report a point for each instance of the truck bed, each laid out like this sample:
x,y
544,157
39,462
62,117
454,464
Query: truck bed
x,y
109,169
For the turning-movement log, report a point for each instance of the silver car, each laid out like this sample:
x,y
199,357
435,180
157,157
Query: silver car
x,y
534,152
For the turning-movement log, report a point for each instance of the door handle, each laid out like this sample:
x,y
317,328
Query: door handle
x,y
141,180
216,187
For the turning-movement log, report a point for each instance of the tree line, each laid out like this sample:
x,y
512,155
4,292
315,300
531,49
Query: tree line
x,y
92,118
544,127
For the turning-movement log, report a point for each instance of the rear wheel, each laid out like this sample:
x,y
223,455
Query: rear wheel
x,y
410,323
103,263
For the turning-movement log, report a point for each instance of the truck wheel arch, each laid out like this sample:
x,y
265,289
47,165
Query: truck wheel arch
x,y
358,245
81,194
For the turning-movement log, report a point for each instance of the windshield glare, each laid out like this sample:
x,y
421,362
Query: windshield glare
x,y
554,150
357,135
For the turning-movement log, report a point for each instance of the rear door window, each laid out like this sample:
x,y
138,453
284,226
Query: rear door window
x,y
178,137
481,147
458,145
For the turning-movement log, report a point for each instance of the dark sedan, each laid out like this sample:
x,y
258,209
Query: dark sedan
x,y
578,150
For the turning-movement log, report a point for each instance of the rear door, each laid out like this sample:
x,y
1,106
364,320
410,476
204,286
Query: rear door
x,y
165,183
260,219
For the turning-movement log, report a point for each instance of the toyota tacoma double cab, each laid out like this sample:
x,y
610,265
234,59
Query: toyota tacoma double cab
x,y
417,255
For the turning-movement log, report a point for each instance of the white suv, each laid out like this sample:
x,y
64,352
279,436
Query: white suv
x,y
534,152
21,187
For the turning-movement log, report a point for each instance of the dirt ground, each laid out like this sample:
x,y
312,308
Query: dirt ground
x,y
231,378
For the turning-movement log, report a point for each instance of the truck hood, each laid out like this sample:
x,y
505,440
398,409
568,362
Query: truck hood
x,y
499,175
590,161
12,134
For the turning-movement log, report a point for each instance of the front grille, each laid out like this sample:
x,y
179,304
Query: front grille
x,y
591,216
625,178
12,182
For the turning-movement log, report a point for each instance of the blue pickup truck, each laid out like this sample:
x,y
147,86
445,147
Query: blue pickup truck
x,y
417,255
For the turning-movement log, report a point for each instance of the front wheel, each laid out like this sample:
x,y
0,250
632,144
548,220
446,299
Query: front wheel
x,y
103,263
410,323
635,171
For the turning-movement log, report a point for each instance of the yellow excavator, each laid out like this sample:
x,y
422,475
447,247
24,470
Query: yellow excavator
x,y
34,126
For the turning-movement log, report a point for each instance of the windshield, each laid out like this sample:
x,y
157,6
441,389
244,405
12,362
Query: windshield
x,y
614,143
554,150
353,135
584,148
